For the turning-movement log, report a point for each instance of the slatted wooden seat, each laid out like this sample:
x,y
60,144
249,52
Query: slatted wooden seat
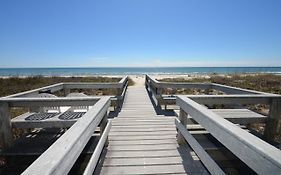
x,y
240,116
69,115
40,116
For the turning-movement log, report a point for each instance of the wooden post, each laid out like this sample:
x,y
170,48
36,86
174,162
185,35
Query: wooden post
x,y
271,129
119,101
183,120
158,92
66,91
146,82
5,126
103,124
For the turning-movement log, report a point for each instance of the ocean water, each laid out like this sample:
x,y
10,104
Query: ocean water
x,y
131,70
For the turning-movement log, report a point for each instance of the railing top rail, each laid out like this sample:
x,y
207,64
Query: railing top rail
x,y
72,85
53,87
224,88
259,155
60,156
232,99
57,101
237,90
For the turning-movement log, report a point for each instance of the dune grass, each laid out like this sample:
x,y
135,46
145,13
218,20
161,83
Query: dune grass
x,y
270,83
17,84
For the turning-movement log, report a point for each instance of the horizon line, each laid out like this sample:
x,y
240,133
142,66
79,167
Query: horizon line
x,y
137,67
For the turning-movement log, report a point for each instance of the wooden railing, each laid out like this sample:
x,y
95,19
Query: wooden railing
x,y
157,87
236,96
257,154
61,155
120,86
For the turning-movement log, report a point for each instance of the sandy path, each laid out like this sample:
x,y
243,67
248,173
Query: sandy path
x,y
138,80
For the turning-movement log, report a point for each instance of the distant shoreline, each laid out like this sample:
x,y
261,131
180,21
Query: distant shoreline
x,y
86,72
156,75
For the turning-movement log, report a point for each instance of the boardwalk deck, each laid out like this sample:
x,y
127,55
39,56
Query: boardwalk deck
x,y
142,142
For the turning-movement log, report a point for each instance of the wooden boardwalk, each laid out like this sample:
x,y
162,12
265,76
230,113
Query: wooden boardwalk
x,y
142,142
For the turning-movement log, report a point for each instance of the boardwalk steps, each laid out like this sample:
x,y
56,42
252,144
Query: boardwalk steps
x,y
142,142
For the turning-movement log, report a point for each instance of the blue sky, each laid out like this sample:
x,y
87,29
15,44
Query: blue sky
x,y
114,33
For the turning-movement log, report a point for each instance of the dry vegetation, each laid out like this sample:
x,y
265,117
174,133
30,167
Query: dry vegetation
x,y
270,83
15,84
261,82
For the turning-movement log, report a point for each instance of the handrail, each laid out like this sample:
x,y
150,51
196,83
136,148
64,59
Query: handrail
x,y
155,88
95,156
60,156
233,99
72,85
257,154
223,88
52,88
209,163
46,102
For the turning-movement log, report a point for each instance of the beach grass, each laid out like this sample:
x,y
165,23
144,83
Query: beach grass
x,y
270,83
14,85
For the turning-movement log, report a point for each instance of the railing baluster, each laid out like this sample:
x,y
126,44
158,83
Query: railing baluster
x,y
5,126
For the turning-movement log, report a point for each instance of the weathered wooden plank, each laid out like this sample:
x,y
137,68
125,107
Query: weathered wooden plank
x,y
60,156
150,137
227,99
89,85
183,119
143,142
153,169
209,163
145,126
142,129
220,87
143,161
141,154
5,126
95,156
257,154
232,99
46,102
143,123
141,120
142,133
272,125
142,147
161,84
199,127
235,90
51,88
240,116
52,123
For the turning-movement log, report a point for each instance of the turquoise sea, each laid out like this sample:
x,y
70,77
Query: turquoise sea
x,y
132,70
